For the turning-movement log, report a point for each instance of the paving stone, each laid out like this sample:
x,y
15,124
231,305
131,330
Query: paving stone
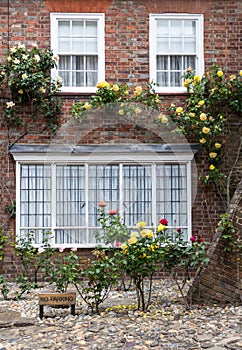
x,y
167,326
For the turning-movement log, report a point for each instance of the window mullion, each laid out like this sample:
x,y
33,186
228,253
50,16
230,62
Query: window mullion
x,y
153,195
53,202
86,202
121,189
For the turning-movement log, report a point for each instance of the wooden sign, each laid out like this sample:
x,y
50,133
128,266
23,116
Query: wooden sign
x,y
55,299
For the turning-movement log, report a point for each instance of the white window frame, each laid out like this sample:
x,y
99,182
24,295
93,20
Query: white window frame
x,y
153,47
102,158
99,17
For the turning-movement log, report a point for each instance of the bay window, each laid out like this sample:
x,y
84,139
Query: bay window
x,y
61,194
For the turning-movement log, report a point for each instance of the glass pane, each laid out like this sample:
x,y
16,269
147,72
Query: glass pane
x,y
162,27
190,45
91,28
103,185
78,79
176,63
77,62
78,28
70,196
137,194
73,236
91,78
176,45
64,45
64,62
66,78
162,62
162,78
64,28
162,44
175,79
77,45
92,62
91,45
176,28
189,28
189,61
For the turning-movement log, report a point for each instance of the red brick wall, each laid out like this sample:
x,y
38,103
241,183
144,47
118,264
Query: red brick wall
x,y
127,60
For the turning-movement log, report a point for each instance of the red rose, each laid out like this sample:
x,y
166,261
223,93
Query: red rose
x,y
164,222
199,239
113,212
117,244
193,239
178,229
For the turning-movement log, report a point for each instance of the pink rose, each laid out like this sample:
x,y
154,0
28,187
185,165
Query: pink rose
x,y
113,212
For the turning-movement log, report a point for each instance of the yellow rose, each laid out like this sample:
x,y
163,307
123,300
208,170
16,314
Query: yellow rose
x,y
220,73
132,240
149,234
140,225
87,105
232,77
143,233
206,130
20,91
201,102
203,140
102,84
163,118
124,246
212,167
134,234
189,69
192,115
186,82
240,73
212,154
121,112
161,227
203,117
197,78
179,110
138,90
217,145
115,87
24,76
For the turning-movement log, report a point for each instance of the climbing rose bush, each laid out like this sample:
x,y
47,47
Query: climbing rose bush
x,y
26,73
204,117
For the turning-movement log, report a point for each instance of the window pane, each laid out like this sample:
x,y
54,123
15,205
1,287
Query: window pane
x,y
91,28
189,28
176,45
162,62
190,45
92,62
162,27
77,45
64,62
91,78
78,79
137,194
64,45
171,191
162,79
103,185
176,28
78,28
35,194
77,62
176,63
189,61
163,45
91,45
64,28
70,195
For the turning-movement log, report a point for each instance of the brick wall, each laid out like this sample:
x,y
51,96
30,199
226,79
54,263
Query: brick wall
x,y
127,60
221,280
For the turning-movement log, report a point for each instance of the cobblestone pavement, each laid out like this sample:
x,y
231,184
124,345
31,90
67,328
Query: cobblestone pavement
x,y
167,326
